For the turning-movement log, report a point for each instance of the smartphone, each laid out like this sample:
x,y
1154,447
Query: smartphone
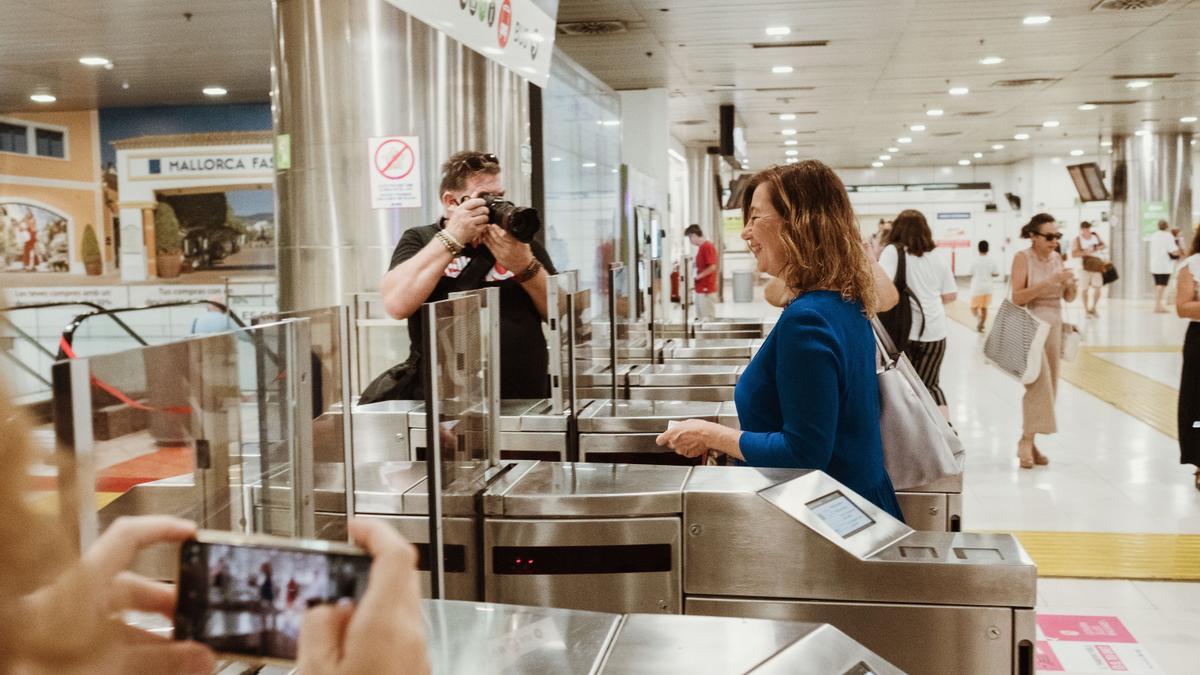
x,y
245,595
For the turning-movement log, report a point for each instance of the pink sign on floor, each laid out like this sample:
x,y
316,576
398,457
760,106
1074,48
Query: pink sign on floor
x,y
1074,628
1089,644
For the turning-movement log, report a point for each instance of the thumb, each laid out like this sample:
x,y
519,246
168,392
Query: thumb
x,y
168,657
321,637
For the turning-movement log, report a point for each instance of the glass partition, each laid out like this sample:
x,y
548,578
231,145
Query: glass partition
x,y
560,290
213,429
380,341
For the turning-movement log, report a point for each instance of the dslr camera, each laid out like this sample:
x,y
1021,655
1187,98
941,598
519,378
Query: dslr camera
x,y
521,222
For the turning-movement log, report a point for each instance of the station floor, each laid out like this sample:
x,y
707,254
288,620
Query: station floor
x,y
1114,521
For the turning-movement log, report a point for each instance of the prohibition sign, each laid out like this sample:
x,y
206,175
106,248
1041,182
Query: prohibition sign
x,y
394,159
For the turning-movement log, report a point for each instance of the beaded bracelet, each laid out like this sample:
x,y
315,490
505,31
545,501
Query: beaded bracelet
x,y
530,272
450,243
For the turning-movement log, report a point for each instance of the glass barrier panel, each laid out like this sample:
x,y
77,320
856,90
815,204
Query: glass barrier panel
x,y
380,341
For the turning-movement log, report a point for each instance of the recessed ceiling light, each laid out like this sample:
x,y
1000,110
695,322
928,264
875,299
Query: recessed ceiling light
x,y
43,98
1138,84
1106,143
614,170
1140,132
978,155
904,139
215,91
125,85
1021,137
792,153
1040,20
964,162
94,61
917,127
788,132
782,70
935,112
991,61
791,141
893,149
1188,119
611,123
787,117
777,31
589,165
1076,153
556,159
1050,124
959,91
1088,106
885,157
998,146
876,164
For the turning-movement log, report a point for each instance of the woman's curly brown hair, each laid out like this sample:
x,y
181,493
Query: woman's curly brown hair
x,y
819,235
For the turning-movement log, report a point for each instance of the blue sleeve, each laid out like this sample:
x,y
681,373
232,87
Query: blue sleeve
x,y
808,385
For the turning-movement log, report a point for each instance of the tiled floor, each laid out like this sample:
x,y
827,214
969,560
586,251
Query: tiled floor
x,y
1109,472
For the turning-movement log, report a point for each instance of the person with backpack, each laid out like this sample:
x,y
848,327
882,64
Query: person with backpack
x,y
918,327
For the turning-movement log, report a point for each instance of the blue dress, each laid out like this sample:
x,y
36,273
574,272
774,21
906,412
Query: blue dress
x,y
810,398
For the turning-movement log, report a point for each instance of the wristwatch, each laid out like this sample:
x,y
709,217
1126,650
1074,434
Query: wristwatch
x,y
530,272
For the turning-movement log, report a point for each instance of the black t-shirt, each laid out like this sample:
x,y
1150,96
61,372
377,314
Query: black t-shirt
x,y
523,355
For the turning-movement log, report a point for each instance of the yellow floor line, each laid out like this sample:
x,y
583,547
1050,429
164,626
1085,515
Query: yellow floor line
x,y
1148,400
1113,555
1125,349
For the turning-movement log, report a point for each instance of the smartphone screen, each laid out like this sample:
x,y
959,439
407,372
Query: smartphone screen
x,y
250,599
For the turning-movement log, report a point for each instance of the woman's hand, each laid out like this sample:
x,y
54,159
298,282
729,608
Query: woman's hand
x,y
78,616
688,438
385,633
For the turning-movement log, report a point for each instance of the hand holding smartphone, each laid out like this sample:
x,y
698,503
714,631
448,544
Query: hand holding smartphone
x,y
279,600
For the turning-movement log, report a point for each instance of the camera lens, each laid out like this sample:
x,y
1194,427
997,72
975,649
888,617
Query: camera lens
x,y
521,222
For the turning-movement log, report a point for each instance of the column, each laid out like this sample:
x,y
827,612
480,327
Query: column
x,y
1151,180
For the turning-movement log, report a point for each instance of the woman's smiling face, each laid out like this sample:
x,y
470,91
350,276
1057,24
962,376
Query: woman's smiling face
x,y
762,231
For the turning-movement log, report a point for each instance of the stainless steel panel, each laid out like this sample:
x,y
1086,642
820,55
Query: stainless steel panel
x,y
928,511
728,416
683,375
649,644
582,490
733,547
380,486
702,348
642,416
715,394
1024,641
826,650
914,638
655,592
456,532
473,637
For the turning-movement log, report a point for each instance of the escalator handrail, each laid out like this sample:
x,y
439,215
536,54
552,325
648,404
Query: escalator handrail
x,y
83,303
68,334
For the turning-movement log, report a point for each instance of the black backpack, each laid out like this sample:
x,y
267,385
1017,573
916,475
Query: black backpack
x,y
898,320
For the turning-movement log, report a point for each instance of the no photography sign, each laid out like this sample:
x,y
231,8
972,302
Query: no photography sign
x,y
395,172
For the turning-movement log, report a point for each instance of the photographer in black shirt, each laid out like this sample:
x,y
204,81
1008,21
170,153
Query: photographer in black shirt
x,y
464,251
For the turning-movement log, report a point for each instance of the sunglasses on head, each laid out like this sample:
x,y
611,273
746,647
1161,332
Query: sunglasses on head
x,y
1050,237
478,162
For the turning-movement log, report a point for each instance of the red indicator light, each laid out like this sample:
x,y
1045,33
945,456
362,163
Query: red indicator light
x,y
531,561
518,561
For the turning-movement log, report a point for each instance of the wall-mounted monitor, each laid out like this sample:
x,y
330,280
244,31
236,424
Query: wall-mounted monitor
x,y
1089,182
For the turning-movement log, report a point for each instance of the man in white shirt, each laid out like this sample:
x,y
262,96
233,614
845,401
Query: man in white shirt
x,y
1163,253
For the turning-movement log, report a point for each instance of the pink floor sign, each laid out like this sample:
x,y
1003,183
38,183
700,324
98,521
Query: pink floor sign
x,y
1089,644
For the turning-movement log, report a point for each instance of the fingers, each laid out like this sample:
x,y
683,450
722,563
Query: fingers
x,y
133,591
167,656
118,546
393,581
321,637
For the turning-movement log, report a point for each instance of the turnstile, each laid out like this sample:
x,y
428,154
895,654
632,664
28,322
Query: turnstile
x,y
529,429
625,431
818,552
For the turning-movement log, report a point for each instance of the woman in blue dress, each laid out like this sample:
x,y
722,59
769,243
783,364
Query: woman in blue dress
x,y
810,398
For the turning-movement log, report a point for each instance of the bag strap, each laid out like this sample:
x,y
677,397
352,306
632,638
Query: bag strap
x,y
885,351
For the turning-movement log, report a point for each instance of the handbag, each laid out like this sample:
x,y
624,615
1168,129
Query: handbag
x,y
919,445
1093,263
1016,342
1109,273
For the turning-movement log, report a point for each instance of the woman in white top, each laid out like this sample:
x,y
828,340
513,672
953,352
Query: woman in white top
x,y
1187,305
932,285
1088,245
1163,254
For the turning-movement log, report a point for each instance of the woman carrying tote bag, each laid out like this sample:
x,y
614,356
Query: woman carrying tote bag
x,y
1039,284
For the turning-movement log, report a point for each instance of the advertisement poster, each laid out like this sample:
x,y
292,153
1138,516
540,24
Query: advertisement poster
x,y
1152,212
1070,643
32,238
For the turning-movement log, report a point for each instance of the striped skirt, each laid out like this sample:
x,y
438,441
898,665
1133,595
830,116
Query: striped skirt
x,y
926,358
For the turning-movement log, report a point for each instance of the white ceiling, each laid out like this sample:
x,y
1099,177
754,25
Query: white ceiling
x,y
886,63
165,58
889,60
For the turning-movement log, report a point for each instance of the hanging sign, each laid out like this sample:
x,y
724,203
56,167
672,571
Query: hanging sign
x,y
514,33
395,172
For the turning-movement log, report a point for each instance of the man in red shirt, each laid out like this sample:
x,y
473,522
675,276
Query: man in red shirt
x,y
707,269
